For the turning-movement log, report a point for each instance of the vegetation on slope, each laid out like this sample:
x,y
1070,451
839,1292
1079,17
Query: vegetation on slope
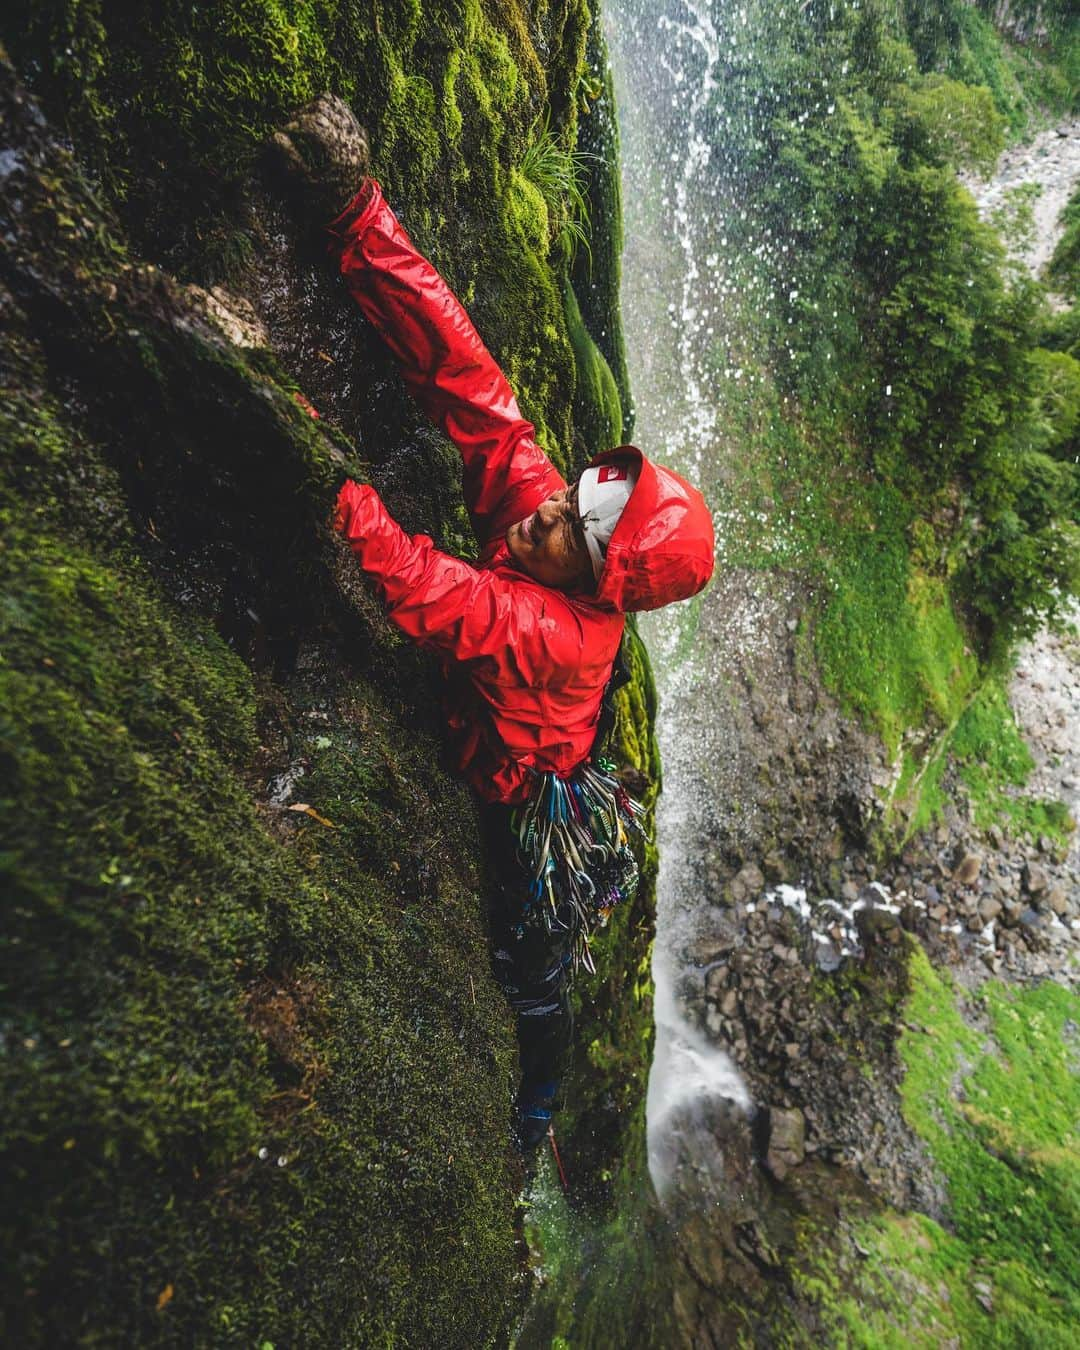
x,y
259,1075
991,1085
916,441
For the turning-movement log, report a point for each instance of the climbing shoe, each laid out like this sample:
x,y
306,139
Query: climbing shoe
x,y
532,1115
324,153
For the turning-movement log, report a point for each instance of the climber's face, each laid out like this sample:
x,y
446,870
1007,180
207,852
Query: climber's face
x,y
550,544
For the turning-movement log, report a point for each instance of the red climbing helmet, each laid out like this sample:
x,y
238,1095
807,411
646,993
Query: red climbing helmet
x,y
662,548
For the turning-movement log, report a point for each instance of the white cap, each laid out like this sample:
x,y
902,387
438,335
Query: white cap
x,y
603,491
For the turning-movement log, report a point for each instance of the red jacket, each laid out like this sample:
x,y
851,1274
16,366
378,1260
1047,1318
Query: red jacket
x,y
528,664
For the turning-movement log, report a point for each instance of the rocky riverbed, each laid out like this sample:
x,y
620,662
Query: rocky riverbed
x,y
1046,171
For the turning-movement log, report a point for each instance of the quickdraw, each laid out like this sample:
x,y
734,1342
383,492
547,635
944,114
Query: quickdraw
x,y
574,841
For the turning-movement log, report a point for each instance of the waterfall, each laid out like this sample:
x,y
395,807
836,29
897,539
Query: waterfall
x,y
664,58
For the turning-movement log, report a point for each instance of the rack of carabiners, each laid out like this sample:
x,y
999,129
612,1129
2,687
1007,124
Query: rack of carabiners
x,y
573,837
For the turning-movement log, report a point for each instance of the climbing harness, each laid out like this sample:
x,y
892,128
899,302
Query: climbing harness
x,y
574,842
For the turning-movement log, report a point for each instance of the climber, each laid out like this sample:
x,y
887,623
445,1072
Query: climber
x,y
530,632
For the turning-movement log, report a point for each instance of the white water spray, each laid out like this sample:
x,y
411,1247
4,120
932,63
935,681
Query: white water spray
x,y
666,57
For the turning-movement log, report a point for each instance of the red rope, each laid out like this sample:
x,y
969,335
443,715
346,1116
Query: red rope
x,y
558,1160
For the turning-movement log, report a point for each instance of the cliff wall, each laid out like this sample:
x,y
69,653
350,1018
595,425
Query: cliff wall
x,y
257,1074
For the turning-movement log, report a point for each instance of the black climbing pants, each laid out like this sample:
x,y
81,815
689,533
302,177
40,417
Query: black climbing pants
x,y
531,965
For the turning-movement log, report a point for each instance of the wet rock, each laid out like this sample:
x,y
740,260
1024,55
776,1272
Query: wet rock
x,y
787,1140
716,982
702,950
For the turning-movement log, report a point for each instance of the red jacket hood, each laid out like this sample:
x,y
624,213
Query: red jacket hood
x,y
662,547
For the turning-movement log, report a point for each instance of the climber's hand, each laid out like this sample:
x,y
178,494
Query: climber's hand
x,y
325,154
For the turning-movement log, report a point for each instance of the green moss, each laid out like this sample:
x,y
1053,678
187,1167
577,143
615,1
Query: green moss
x,y
597,413
990,1085
198,983
889,641
994,760
887,637
189,998
597,274
199,91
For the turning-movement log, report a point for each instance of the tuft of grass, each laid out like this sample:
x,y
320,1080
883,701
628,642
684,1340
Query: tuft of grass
x,y
559,175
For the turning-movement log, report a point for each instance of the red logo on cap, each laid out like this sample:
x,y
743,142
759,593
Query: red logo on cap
x,y
612,473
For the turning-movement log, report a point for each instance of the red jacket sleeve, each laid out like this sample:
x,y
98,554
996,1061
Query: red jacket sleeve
x,y
444,364
447,604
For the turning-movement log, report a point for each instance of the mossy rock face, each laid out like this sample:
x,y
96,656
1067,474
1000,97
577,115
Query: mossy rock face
x,y
258,1074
